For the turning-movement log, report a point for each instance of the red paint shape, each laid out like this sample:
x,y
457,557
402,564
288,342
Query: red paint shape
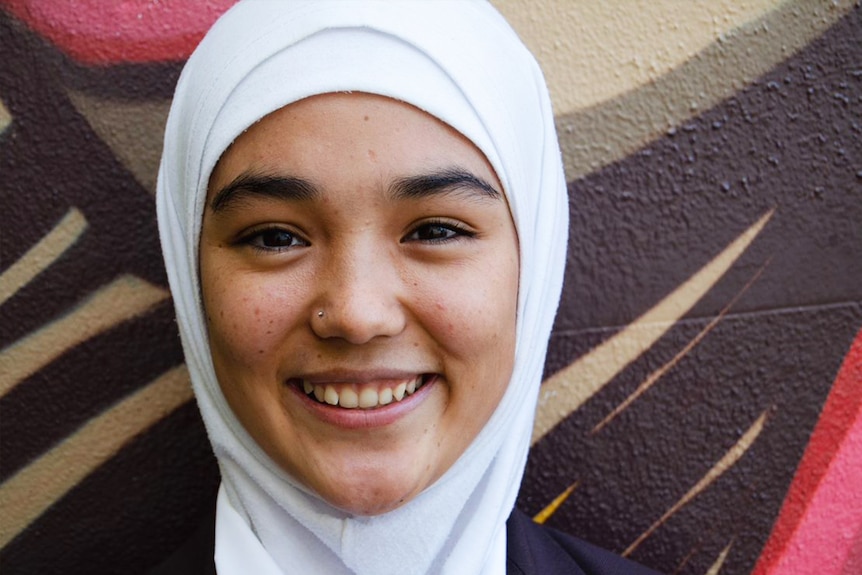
x,y
820,522
96,32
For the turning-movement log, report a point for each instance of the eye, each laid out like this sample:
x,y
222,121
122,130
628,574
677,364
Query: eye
x,y
274,239
437,232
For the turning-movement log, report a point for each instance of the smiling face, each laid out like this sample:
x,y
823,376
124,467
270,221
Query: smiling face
x,y
359,270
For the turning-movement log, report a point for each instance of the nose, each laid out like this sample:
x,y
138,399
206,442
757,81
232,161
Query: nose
x,y
359,297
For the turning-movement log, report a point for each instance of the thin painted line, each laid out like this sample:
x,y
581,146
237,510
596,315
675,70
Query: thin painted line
x,y
658,373
726,462
124,298
715,568
552,507
43,254
753,314
5,117
569,388
30,492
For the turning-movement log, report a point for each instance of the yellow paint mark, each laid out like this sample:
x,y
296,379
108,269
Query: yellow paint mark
x,y
5,117
552,507
122,299
658,373
726,462
569,388
43,254
716,567
31,491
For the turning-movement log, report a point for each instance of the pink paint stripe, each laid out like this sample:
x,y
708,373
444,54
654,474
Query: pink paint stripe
x,y
823,542
95,32
820,524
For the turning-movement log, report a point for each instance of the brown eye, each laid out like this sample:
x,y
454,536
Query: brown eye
x,y
274,239
434,232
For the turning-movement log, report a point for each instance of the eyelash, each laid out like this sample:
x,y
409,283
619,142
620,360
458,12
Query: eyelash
x,y
453,231
256,239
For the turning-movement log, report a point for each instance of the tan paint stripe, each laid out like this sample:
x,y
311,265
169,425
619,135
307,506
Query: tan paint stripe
x,y
123,299
133,129
729,460
43,254
31,491
657,374
569,388
595,136
552,507
5,117
594,51
716,567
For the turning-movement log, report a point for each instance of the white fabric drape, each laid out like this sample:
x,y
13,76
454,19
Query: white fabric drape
x,y
461,62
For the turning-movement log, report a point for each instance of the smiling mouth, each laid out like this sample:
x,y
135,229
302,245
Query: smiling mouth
x,y
362,396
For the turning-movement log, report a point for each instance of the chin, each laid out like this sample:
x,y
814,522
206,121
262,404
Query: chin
x,y
367,501
370,487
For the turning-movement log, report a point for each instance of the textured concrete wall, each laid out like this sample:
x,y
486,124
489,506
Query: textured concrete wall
x,y
702,409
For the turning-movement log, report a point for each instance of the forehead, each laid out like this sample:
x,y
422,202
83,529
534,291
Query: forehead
x,y
385,137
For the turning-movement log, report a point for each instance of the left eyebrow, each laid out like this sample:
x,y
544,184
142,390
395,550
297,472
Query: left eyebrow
x,y
249,184
441,182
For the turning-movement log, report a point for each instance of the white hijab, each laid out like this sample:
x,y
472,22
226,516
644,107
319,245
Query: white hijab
x,y
461,62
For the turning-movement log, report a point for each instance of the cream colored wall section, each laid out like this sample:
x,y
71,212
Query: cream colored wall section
x,y
622,73
595,51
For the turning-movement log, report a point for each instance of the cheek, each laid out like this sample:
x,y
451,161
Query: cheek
x,y
474,312
246,318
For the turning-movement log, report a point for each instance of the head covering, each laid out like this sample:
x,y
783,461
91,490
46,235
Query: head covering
x,y
462,63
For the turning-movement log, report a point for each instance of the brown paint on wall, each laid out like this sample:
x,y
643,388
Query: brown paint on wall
x,y
650,206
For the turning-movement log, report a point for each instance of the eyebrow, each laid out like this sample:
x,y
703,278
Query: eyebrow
x,y
249,185
447,180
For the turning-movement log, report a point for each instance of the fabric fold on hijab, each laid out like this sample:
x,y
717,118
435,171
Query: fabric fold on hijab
x,y
459,61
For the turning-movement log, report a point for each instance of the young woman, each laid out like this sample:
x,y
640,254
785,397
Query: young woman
x,y
364,221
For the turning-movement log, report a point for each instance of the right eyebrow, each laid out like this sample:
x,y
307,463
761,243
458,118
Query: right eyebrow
x,y
249,185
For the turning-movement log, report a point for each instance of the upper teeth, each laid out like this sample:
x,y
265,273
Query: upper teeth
x,y
368,397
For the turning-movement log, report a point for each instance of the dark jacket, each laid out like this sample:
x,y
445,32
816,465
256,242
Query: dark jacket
x,y
531,549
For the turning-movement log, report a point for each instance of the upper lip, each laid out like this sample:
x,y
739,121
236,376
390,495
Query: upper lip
x,y
355,375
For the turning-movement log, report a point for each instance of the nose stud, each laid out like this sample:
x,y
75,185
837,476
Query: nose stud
x,y
320,313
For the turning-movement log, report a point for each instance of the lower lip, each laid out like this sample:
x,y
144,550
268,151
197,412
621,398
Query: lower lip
x,y
365,418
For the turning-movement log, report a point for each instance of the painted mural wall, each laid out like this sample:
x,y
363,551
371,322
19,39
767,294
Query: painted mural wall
x,y
702,408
